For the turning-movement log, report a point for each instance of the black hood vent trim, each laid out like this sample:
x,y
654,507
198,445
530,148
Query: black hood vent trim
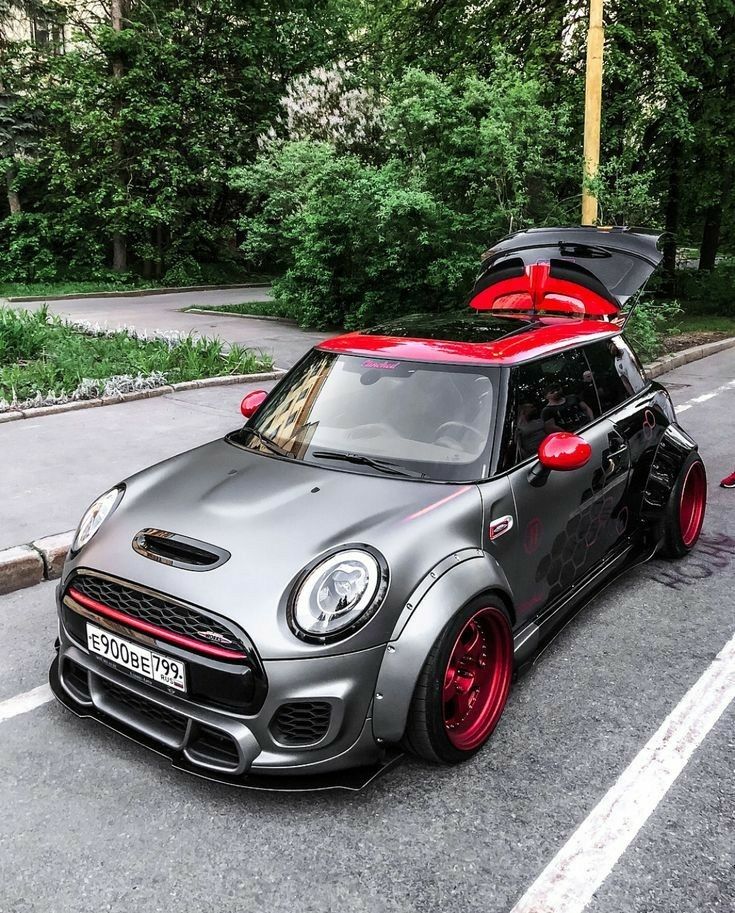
x,y
178,551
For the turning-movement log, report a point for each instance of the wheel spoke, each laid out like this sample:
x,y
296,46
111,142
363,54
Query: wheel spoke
x,y
449,689
477,678
472,641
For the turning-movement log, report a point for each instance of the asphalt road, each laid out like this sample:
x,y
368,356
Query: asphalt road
x,y
91,822
284,341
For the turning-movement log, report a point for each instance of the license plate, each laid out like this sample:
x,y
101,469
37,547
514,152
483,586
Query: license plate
x,y
148,663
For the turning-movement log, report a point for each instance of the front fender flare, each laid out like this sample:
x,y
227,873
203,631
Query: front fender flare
x,y
449,586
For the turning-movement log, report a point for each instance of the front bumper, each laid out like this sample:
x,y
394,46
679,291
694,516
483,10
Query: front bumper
x,y
231,747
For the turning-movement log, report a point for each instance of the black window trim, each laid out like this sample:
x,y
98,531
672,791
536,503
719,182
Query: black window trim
x,y
506,397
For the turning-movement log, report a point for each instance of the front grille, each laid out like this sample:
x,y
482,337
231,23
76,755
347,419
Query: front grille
x,y
155,713
301,723
159,611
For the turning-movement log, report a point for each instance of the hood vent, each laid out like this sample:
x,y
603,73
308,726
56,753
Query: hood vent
x,y
178,551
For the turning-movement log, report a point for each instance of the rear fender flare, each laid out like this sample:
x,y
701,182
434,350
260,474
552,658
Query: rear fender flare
x,y
673,449
449,586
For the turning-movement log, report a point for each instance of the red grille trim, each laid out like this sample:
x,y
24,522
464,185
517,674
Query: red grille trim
x,y
189,643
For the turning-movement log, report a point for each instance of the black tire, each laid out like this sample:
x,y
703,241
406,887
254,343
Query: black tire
x,y
685,509
426,733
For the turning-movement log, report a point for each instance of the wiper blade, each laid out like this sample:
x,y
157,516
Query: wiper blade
x,y
269,442
380,465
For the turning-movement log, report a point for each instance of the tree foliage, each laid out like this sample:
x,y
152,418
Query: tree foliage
x,y
368,152
147,154
462,162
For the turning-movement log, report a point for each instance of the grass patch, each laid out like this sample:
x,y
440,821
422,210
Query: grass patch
x,y
41,355
257,308
35,289
695,330
701,323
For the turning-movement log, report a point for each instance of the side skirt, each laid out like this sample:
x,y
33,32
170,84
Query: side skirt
x,y
534,637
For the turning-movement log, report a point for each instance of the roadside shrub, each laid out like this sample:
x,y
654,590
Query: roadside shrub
x,y
649,323
373,244
464,161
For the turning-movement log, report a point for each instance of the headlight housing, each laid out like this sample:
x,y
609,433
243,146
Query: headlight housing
x,y
95,516
338,595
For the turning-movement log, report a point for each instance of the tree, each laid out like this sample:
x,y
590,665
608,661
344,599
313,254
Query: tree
x,y
147,112
361,238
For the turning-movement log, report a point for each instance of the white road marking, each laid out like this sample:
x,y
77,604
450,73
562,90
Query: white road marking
x,y
22,703
704,397
570,880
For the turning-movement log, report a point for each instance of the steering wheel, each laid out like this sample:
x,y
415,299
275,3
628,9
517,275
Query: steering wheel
x,y
449,427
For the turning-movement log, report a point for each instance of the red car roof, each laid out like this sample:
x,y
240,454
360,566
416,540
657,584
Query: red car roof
x,y
544,337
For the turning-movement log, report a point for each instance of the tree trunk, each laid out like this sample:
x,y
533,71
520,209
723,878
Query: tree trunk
x,y
712,225
160,251
13,196
119,252
119,241
710,236
672,217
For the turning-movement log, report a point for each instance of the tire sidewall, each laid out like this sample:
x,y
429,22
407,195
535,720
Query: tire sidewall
x,y
673,542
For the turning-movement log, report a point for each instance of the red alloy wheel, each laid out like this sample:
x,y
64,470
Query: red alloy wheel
x,y
477,679
692,504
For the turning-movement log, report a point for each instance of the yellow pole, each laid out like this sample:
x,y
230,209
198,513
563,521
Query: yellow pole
x,y
592,109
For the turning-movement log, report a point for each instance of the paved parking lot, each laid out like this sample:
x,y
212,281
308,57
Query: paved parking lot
x,y
91,822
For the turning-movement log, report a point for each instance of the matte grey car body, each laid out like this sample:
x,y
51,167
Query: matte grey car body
x,y
539,545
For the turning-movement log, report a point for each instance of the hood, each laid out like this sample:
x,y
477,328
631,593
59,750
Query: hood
x,y
274,517
589,272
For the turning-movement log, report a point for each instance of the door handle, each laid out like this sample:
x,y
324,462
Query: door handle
x,y
617,451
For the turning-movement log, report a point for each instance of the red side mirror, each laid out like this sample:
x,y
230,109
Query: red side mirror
x,y
252,402
564,451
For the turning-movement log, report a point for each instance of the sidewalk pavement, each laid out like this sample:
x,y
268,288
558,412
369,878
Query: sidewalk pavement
x,y
284,341
53,467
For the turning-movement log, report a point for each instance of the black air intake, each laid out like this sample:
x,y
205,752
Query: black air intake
x,y
301,722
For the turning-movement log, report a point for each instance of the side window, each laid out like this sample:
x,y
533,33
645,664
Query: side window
x,y
616,372
554,394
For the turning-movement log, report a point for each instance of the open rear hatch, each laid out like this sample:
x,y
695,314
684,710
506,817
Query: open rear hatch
x,y
580,272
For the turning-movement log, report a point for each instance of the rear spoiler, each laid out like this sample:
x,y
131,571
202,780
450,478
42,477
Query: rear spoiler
x,y
571,272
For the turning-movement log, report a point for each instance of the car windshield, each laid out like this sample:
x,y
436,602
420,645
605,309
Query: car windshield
x,y
380,416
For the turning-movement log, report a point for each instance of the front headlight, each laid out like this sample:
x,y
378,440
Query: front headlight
x,y
337,596
95,516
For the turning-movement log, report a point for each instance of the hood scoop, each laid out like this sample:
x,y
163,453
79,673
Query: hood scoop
x,y
178,551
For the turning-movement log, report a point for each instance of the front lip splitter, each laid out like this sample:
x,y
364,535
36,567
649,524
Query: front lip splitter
x,y
351,780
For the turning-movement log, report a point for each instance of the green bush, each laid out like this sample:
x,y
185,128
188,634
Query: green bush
x,y
464,161
650,322
37,248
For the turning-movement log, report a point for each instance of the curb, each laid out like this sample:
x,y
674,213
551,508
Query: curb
x,y
141,292
26,565
287,320
677,359
223,381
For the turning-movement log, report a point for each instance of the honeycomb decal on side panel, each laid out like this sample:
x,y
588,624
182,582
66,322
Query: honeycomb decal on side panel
x,y
570,551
